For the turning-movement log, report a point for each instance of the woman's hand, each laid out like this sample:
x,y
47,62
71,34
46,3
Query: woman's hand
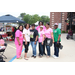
x,y
19,43
1,45
57,42
35,42
53,41
42,43
25,42
44,36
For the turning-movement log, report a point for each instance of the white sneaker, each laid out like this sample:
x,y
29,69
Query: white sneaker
x,y
55,56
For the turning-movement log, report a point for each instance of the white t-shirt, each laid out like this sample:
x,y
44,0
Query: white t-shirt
x,y
27,34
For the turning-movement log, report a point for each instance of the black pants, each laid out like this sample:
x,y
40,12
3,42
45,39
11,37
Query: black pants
x,y
40,49
56,50
26,46
44,48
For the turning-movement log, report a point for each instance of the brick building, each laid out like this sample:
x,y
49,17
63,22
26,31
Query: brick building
x,y
58,17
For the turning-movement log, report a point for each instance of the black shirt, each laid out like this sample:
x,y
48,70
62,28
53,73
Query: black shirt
x,y
33,35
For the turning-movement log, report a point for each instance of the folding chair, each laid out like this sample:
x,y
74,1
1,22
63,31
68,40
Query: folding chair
x,y
2,51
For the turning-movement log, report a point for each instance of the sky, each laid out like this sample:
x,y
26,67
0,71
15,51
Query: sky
x,y
16,14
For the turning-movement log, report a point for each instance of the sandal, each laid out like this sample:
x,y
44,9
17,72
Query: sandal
x,y
25,58
19,58
48,56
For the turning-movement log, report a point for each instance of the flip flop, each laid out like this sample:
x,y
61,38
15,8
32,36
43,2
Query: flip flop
x,y
25,58
19,58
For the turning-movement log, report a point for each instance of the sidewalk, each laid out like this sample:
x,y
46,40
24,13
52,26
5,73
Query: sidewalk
x,y
67,54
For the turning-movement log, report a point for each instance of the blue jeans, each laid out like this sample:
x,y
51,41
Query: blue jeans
x,y
41,49
56,50
34,47
48,50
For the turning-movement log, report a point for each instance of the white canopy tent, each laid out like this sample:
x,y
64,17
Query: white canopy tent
x,y
37,23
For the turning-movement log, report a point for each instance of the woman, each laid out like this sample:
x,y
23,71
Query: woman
x,y
70,33
34,39
41,41
26,40
40,24
37,28
49,35
19,41
2,43
57,40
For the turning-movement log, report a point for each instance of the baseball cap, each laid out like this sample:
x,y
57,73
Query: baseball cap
x,y
41,26
56,24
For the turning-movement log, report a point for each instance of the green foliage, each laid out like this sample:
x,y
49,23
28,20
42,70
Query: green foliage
x,y
22,15
66,31
31,18
34,18
63,31
45,19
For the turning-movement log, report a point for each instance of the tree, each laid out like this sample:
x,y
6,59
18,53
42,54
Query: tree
x,y
31,18
22,15
27,18
34,18
45,19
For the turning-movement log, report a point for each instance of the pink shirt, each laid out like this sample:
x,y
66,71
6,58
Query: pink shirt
x,y
38,27
40,37
2,42
48,33
20,35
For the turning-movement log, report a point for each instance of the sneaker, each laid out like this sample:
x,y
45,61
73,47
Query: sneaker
x,y
54,56
32,56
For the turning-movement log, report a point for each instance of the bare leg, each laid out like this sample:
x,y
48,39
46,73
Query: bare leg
x,y
25,56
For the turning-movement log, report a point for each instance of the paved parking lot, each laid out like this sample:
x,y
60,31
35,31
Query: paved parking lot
x,y
67,54
10,51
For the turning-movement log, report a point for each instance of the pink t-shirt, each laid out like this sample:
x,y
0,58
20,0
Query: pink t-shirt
x,y
38,27
48,33
40,37
2,42
20,35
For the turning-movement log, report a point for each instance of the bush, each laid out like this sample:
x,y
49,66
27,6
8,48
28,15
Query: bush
x,y
66,31
63,31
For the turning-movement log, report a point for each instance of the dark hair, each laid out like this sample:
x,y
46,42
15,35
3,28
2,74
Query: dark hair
x,y
1,37
48,23
19,27
40,21
33,25
26,25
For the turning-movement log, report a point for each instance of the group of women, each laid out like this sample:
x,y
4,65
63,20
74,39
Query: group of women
x,y
25,36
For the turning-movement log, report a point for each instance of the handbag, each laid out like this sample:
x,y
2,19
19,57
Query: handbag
x,y
59,45
48,42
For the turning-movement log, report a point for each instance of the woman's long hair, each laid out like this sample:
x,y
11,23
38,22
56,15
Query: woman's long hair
x,y
41,22
19,27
